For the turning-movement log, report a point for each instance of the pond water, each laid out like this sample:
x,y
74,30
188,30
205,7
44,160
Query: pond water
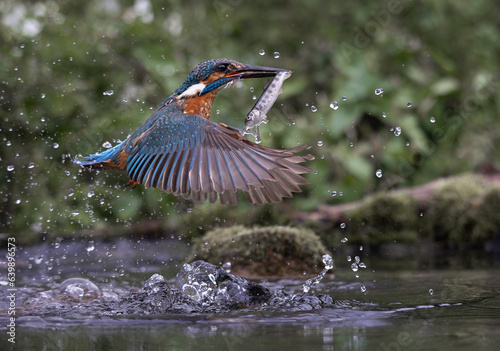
x,y
433,302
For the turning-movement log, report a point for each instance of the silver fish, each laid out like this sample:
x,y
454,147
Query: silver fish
x,y
258,113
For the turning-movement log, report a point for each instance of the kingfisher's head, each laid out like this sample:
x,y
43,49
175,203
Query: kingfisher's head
x,y
204,83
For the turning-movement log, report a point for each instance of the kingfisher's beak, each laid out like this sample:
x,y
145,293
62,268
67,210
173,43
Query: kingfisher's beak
x,y
249,71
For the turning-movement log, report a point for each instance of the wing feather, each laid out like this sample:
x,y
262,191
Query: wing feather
x,y
190,156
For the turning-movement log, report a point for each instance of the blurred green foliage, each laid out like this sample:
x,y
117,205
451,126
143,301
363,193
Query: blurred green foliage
x,y
77,74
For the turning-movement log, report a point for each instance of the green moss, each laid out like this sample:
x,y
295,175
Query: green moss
x,y
262,251
450,205
482,221
383,218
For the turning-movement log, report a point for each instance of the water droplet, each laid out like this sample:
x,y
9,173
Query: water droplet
x,y
42,95
31,165
342,225
18,201
362,265
344,98
354,267
328,261
397,131
378,173
432,119
333,193
90,193
71,192
8,143
320,142
106,145
334,105
314,108
379,91
344,240
408,104
227,267
262,52
363,288
91,246
384,114
349,258
431,292
75,212
10,168
108,92
252,89
276,54
55,145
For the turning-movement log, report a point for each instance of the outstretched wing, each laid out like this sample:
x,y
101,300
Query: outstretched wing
x,y
190,156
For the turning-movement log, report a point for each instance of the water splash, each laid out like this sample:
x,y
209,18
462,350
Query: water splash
x,y
328,262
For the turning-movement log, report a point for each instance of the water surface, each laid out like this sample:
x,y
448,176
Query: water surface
x,y
414,304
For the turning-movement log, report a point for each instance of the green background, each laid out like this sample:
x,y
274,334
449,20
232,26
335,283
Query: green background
x,y
77,74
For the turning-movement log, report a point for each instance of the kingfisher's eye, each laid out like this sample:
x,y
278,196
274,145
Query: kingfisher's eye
x,y
221,67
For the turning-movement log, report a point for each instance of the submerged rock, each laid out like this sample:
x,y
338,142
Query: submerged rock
x,y
209,285
199,287
262,251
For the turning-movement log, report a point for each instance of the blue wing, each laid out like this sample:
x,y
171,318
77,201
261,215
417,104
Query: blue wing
x,y
191,156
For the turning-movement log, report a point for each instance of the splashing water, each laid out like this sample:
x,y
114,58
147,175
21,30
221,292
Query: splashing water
x,y
328,262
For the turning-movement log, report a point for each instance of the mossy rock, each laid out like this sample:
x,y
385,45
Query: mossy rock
x,y
383,218
262,251
450,206
482,221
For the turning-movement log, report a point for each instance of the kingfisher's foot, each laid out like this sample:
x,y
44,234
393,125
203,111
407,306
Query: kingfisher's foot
x,y
133,183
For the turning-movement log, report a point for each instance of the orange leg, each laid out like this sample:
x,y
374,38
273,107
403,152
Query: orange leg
x,y
133,183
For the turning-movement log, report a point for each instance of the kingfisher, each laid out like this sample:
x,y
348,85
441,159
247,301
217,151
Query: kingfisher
x,y
179,150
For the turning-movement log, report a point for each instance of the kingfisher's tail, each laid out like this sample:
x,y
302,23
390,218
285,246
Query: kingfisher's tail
x,y
105,159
